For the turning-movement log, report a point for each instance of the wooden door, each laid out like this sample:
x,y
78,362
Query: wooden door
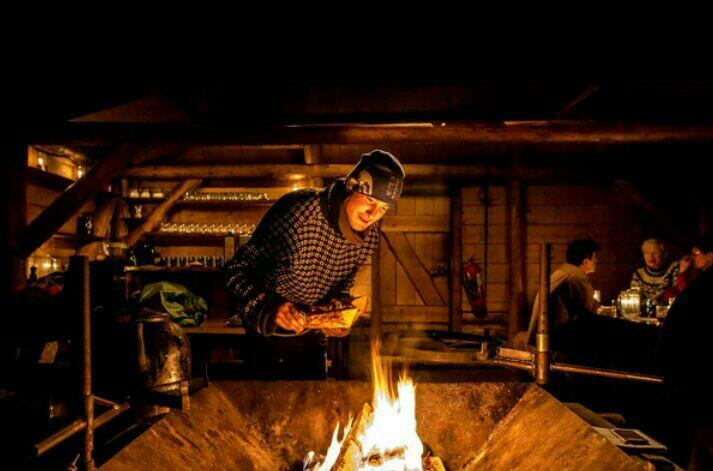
x,y
414,264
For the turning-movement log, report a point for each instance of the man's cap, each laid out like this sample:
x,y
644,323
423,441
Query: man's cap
x,y
377,174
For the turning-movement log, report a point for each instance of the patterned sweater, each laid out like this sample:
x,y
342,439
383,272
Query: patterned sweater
x,y
654,284
297,253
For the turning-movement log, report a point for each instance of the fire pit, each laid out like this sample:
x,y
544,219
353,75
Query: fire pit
x,y
486,420
384,436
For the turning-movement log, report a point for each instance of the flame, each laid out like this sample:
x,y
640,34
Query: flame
x,y
332,452
389,441
393,424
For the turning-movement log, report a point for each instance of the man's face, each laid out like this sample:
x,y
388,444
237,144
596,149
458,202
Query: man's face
x,y
701,260
589,265
653,257
363,211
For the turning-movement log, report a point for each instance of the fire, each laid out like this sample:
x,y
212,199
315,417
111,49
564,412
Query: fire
x,y
383,439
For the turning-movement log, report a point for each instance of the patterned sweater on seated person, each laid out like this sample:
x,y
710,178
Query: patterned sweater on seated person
x,y
302,251
655,284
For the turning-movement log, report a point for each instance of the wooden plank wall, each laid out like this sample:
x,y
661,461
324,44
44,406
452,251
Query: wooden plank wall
x,y
475,243
554,213
558,214
425,222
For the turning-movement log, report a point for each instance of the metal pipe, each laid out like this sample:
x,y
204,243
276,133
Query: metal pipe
x,y
82,266
75,427
588,370
543,355
519,364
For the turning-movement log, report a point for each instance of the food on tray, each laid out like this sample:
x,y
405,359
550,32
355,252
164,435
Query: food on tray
x,y
339,315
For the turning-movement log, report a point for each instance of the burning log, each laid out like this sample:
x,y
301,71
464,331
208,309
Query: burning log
x,y
384,435
433,463
349,458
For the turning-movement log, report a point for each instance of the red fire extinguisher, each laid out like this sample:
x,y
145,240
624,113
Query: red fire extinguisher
x,y
472,275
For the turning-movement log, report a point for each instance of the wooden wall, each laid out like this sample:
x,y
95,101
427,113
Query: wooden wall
x,y
553,213
416,246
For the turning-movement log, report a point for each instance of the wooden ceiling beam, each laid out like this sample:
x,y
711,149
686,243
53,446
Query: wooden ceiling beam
x,y
73,198
509,132
288,172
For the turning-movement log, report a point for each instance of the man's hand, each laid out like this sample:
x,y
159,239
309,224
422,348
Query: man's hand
x,y
685,263
290,318
335,332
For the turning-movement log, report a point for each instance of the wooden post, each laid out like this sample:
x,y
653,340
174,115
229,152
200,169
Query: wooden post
x,y
13,218
71,201
102,223
517,257
455,318
376,290
158,214
313,155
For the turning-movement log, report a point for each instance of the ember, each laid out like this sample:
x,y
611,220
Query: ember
x,y
383,437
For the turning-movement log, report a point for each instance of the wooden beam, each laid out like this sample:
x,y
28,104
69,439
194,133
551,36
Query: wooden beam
x,y
158,214
585,94
679,237
455,317
517,242
300,172
101,222
415,271
376,309
424,314
508,132
313,155
71,201
432,224
156,150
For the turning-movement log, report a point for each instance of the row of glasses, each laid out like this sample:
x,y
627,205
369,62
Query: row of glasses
x,y
241,228
226,196
192,261
146,192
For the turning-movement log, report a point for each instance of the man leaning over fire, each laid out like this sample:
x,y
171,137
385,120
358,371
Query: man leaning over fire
x,y
308,247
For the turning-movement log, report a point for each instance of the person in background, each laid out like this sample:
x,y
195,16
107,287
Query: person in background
x,y
684,357
571,291
659,278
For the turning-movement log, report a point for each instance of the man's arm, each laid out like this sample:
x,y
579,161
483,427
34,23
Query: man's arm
x,y
585,294
255,308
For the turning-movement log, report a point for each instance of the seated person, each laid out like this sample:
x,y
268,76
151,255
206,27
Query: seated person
x,y
684,350
658,279
571,291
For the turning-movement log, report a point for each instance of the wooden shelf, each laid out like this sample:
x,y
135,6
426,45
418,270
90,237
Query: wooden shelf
x,y
204,204
215,327
78,238
225,204
162,269
144,200
48,179
163,239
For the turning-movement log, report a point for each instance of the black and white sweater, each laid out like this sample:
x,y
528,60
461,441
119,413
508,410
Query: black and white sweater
x,y
298,254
